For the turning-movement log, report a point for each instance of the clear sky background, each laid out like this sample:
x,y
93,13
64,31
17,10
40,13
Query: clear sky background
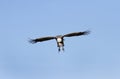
x,y
95,56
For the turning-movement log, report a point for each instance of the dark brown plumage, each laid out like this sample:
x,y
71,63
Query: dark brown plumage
x,y
76,34
41,39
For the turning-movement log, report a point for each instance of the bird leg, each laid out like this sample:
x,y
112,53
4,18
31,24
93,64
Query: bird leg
x,y
58,49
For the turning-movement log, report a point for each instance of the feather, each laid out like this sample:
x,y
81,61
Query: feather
x,y
41,39
76,34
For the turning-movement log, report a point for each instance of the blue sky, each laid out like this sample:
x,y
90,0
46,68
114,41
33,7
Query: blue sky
x,y
96,56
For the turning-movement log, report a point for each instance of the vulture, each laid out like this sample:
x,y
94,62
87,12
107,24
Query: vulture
x,y
59,38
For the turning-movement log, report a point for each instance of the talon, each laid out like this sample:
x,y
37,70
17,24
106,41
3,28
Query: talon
x,y
58,49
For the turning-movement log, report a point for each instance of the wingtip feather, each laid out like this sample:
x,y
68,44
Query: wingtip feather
x,y
87,32
32,41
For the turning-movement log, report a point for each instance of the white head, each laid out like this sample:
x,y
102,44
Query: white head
x,y
59,39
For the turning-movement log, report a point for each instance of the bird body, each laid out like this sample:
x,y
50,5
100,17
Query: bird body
x,y
60,43
59,38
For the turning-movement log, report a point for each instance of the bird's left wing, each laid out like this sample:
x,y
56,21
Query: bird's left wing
x,y
76,34
41,39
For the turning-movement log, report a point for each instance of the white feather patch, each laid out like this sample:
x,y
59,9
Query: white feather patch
x,y
59,40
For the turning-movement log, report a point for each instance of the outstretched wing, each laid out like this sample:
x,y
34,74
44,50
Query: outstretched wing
x,y
41,39
77,34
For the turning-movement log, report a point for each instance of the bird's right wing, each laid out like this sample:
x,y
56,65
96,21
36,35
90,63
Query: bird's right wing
x,y
77,34
41,39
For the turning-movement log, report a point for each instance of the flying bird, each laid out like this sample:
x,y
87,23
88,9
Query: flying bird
x,y
59,38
